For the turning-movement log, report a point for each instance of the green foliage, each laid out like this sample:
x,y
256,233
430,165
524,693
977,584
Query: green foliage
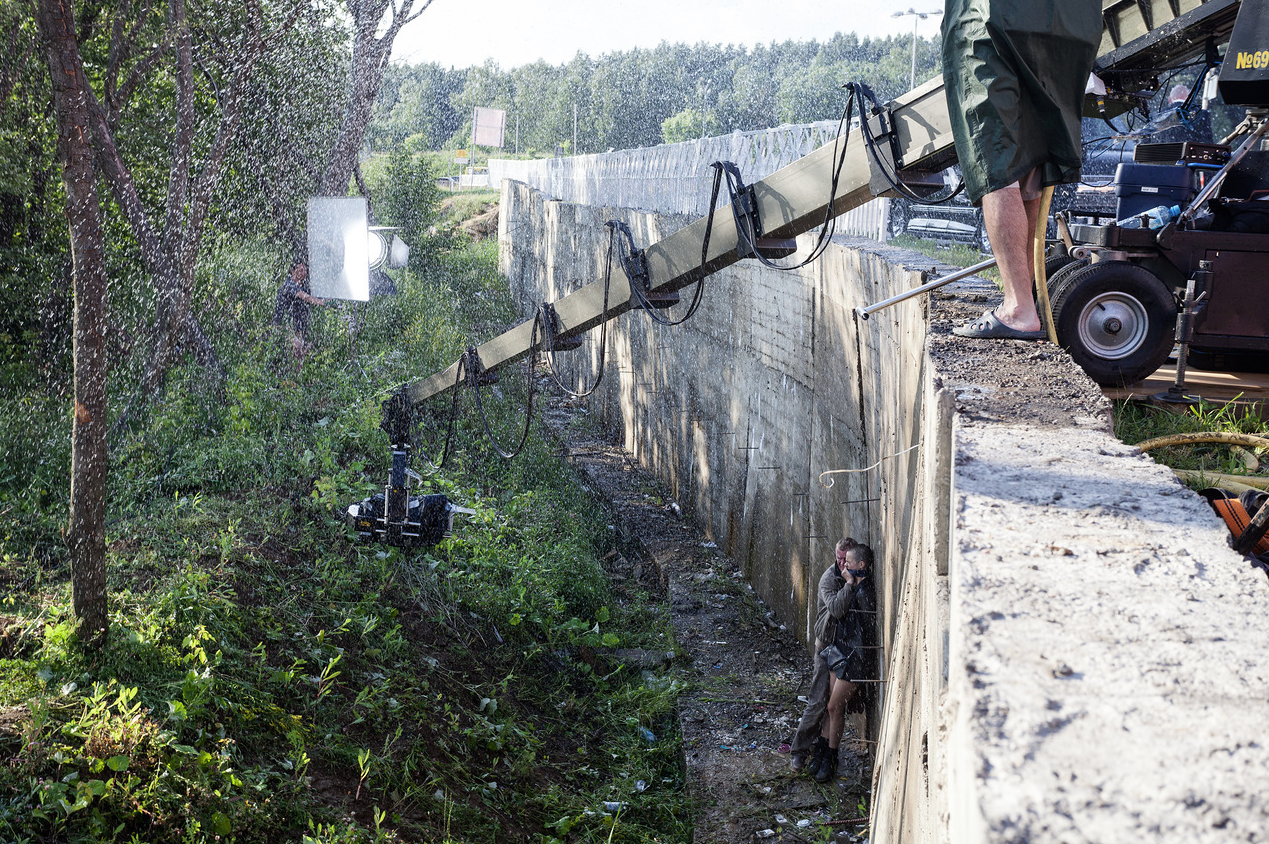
x,y
1135,422
407,196
266,678
683,126
623,100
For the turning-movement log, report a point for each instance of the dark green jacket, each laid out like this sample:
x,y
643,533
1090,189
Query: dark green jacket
x,y
1015,72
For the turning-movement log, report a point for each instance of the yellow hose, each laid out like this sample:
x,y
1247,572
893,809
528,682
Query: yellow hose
x,y
1227,438
1042,281
1233,483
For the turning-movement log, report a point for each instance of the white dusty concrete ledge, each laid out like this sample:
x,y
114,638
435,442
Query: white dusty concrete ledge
x,y
1109,655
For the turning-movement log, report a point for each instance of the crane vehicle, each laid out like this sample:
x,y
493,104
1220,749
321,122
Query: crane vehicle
x,y
1115,303
1133,290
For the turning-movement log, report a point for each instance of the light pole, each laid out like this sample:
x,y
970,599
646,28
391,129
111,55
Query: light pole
x,y
704,94
916,16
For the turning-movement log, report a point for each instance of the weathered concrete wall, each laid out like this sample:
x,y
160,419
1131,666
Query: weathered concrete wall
x,y
742,411
1072,652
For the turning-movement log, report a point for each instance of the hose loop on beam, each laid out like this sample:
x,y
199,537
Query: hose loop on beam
x,y
475,378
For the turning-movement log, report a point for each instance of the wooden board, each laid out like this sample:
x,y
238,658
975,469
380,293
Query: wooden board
x,y
1244,388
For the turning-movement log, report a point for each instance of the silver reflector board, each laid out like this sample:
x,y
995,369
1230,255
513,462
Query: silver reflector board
x,y
338,248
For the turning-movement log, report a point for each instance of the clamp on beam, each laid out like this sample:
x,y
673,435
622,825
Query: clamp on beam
x,y
884,174
553,329
635,265
754,242
477,375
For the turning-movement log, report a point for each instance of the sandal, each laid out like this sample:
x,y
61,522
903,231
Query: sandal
x,y
989,327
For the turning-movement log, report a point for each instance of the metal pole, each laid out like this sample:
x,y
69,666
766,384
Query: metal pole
x,y
1215,182
867,311
912,81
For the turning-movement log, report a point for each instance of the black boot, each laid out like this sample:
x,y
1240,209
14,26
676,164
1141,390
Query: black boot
x,y
828,769
819,756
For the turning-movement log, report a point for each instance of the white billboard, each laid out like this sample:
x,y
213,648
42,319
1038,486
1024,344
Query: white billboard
x,y
489,125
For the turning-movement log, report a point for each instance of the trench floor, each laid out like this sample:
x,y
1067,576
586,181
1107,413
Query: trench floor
x,y
744,671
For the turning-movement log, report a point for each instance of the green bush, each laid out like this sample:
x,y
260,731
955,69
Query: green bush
x,y
268,678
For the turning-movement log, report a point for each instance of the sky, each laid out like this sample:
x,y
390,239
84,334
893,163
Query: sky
x,y
463,33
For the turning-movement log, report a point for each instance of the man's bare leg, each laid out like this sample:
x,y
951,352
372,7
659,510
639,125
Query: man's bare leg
x,y
1010,223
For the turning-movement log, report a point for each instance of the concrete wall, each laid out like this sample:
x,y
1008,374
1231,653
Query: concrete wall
x,y
1021,698
742,409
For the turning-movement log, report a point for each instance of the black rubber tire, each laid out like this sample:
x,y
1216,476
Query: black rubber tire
x,y
1058,276
1052,266
1117,320
897,224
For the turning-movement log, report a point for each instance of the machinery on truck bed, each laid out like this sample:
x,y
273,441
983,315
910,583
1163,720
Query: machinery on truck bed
x,y
1116,299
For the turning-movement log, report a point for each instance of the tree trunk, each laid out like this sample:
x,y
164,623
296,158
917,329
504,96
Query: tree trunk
x,y
86,533
369,61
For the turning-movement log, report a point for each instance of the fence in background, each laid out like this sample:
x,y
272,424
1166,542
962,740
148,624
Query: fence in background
x,y
677,178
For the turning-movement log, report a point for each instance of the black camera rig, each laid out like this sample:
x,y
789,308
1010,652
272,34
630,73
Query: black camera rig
x,y
396,516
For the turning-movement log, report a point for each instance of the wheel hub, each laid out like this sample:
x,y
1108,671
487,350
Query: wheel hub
x,y
1113,325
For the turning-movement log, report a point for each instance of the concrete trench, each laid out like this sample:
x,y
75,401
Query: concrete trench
x,y
1072,651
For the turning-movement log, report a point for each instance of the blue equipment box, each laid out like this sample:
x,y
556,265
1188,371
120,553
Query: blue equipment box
x,y
1140,187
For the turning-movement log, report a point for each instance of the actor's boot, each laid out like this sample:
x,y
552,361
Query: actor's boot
x,y
828,770
819,756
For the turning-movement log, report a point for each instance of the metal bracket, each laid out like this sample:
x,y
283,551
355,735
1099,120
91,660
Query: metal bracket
x,y
558,343
477,375
396,419
754,242
883,159
881,129
636,267
747,217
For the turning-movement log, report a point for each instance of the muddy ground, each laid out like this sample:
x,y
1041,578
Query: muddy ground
x,y
745,670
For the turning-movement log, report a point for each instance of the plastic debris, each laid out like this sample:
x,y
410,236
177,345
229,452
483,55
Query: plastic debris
x,y
765,833
804,823
647,734
781,818
641,786
613,806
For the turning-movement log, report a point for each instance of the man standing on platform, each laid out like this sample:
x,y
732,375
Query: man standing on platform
x,y
1015,73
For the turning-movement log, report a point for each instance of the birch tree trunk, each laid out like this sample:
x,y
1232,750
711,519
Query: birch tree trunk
x,y
86,533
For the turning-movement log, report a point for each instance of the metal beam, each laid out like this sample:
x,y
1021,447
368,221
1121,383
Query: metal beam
x,y
794,199
791,201
1154,34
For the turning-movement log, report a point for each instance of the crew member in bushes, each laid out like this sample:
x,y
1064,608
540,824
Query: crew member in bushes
x,y
845,636
1014,72
292,307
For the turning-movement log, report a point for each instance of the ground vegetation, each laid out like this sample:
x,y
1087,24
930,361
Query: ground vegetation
x,y
269,678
